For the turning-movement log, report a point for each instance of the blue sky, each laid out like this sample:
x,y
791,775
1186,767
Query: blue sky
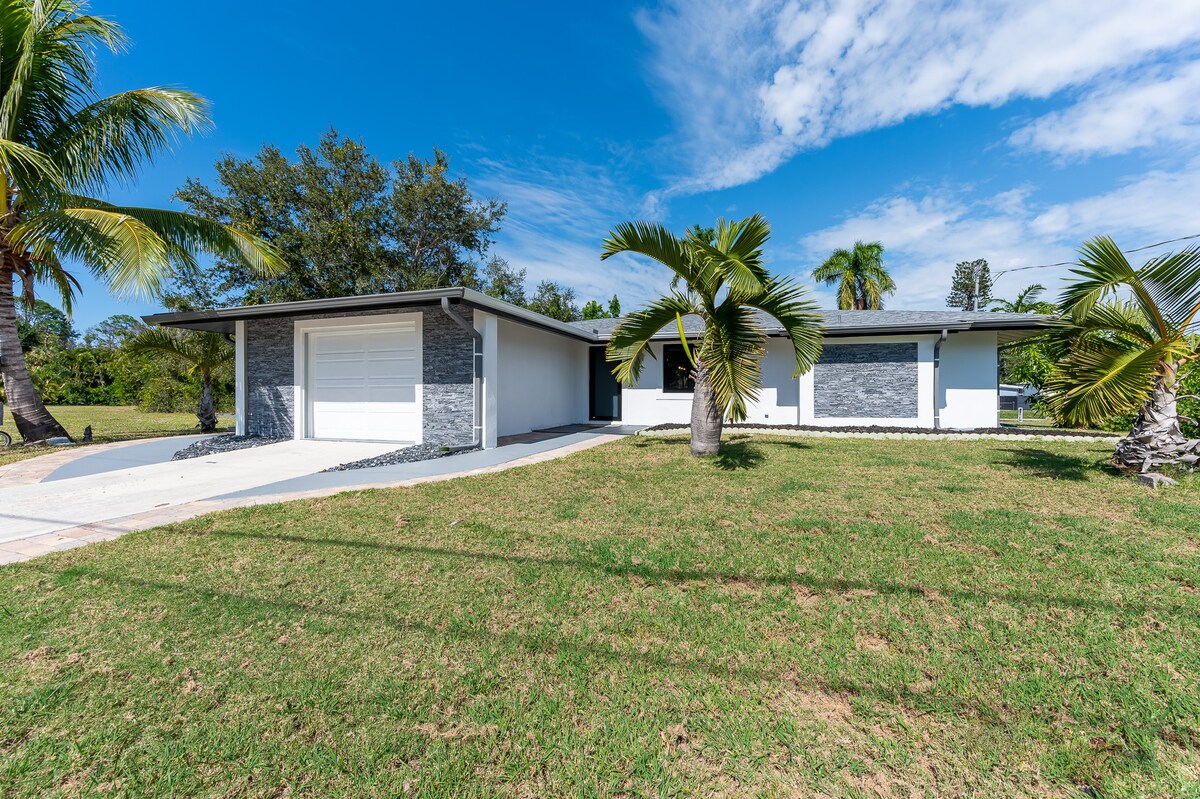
x,y
1006,130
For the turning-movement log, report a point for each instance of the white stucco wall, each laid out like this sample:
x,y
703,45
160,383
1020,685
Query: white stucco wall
x,y
541,379
969,380
645,402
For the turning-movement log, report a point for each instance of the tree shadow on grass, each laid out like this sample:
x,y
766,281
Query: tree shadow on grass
x,y
1054,465
739,455
653,574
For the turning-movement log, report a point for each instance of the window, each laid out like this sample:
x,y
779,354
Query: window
x,y
677,370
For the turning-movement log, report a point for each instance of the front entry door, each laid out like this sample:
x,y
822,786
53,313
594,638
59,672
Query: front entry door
x,y
604,391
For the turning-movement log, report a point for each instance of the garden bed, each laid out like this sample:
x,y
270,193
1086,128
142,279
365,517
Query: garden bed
x,y
414,454
226,443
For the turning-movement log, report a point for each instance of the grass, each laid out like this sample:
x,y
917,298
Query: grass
x,y
109,423
838,618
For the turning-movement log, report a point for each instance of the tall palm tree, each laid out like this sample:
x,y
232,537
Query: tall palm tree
x,y
61,144
1026,301
203,353
724,281
1126,340
861,277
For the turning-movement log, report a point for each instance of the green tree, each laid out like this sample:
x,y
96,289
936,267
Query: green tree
x,y
202,353
113,331
503,282
595,310
1125,346
1026,301
971,286
723,280
345,224
39,323
60,144
859,274
556,301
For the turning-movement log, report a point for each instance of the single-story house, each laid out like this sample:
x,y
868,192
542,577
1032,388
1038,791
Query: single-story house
x,y
455,367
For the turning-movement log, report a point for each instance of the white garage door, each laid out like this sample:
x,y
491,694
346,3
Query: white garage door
x,y
365,383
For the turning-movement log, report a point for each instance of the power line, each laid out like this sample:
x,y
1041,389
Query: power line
x,y
1072,263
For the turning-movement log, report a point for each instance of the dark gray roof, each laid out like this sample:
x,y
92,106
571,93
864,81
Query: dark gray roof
x,y
1012,327
871,323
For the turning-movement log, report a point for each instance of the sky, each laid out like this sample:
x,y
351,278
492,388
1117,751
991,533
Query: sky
x,y
1010,131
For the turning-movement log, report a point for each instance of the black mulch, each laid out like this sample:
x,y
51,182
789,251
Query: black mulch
x,y
224,443
926,431
420,452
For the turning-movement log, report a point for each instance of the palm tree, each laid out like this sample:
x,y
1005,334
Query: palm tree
x,y
862,280
1026,302
724,281
60,143
1127,337
203,353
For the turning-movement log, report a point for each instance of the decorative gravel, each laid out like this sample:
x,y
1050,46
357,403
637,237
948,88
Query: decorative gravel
x,y
224,443
913,431
420,452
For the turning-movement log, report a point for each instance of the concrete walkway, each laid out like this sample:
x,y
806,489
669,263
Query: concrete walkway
x,y
82,504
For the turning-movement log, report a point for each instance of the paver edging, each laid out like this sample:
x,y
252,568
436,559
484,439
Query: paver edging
x,y
787,433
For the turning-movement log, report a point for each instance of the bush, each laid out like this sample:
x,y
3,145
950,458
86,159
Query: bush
x,y
167,395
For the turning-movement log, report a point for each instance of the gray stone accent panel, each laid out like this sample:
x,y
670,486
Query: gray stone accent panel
x,y
448,399
866,381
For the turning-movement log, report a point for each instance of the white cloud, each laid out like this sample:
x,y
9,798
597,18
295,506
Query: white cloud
x,y
927,235
1158,109
558,214
751,86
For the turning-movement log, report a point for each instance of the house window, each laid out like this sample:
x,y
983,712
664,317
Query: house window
x,y
677,370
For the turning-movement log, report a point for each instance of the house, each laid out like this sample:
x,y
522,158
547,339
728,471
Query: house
x,y
454,366
1016,397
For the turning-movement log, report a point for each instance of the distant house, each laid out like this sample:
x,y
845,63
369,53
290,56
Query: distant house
x,y
454,366
1016,397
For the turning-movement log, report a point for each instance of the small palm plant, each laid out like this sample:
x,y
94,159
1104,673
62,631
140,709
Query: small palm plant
x,y
1027,301
860,276
719,276
201,352
61,146
1127,338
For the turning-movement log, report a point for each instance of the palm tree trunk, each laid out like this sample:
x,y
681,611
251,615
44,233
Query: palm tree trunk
x,y
707,418
208,406
33,421
1156,438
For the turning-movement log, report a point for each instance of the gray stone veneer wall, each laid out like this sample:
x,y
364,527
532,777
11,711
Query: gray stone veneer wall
x,y
866,381
448,402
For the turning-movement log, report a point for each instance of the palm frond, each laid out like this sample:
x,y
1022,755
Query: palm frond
x,y
732,354
200,350
1173,283
1100,379
1102,269
630,341
653,241
787,302
735,256
111,138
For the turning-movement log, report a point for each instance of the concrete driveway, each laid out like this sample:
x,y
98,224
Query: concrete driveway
x,y
66,502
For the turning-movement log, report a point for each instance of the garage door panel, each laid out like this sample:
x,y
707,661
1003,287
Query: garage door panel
x,y
365,384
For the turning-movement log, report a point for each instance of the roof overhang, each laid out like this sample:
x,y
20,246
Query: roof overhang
x,y
222,320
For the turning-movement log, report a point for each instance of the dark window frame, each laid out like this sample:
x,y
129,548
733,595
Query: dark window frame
x,y
674,358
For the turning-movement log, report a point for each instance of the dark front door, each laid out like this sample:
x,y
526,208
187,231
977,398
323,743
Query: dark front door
x,y
604,390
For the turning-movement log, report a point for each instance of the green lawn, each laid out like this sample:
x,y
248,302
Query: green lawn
x,y
834,617
109,423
